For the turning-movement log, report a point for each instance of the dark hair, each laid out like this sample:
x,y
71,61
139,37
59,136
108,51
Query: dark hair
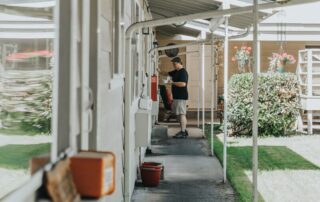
x,y
176,60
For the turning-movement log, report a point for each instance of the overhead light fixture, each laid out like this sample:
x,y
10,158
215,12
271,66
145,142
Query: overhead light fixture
x,y
155,44
179,24
145,31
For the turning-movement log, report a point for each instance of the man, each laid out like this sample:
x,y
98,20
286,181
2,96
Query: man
x,y
180,93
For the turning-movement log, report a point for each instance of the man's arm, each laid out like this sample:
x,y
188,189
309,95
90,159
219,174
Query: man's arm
x,y
179,84
182,81
162,72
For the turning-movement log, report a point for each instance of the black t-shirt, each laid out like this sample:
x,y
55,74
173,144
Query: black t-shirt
x,y
180,75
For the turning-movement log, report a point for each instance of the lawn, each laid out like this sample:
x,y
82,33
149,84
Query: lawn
x,y
18,132
18,156
270,158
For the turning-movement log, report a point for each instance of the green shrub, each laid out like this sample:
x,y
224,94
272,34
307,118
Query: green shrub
x,y
25,102
278,104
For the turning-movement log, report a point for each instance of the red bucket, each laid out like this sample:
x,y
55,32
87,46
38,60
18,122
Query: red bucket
x,y
157,165
152,164
150,174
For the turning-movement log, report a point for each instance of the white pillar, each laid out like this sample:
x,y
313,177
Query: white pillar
x,y
255,103
199,85
309,91
259,56
225,95
213,79
85,78
202,59
61,80
75,113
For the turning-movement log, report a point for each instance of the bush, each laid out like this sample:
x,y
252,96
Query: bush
x,y
278,104
25,102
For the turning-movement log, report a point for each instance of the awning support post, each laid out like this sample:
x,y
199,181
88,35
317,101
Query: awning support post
x,y
225,96
202,59
213,80
255,103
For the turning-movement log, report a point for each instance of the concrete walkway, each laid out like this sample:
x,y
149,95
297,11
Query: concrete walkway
x,y
191,175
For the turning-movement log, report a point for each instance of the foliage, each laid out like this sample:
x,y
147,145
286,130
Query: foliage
x,y
243,57
278,104
25,101
280,59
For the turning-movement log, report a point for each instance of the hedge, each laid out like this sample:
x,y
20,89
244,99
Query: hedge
x,y
26,102
278,104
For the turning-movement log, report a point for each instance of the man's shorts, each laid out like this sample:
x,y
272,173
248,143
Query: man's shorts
x,y
179,107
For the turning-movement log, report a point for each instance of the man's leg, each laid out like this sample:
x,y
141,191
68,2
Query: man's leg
x,y
183,122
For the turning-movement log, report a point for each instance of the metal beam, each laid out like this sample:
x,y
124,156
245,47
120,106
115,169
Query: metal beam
x,y
61,81
255,103
45,13
203,77
85,66
225,96
213,80
244,34
209,14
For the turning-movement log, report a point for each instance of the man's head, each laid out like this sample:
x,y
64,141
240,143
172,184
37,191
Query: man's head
x,y
177,63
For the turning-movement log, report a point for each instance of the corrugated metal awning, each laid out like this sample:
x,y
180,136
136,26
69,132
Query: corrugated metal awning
x,y
169,8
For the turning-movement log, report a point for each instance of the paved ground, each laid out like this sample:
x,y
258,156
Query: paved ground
x,y
24,139
191,175
10,179
289,185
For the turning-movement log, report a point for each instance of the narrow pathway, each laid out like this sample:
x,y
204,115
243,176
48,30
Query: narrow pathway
x,y
191,175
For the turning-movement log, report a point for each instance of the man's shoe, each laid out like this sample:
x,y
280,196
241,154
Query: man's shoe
x,y
177,133
180,135
187,134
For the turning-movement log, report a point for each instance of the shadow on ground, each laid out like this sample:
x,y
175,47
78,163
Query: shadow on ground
x,y
190,173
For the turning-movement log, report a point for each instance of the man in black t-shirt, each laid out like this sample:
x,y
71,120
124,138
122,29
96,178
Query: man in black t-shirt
x,y
180,94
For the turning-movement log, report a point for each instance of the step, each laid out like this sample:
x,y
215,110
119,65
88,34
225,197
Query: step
x,y
305,62
313,127
303,84
313,121
313,73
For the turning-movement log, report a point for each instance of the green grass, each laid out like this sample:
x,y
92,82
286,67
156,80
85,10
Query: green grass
x,y
18,132
18,156
217,128
270,158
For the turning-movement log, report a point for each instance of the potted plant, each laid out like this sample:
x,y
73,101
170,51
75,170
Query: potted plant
x,y
278,61
243,57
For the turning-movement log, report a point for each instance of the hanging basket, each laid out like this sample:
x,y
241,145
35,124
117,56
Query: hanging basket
x,y
281,67
172,52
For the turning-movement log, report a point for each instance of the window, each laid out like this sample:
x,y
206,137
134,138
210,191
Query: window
x,y
26,62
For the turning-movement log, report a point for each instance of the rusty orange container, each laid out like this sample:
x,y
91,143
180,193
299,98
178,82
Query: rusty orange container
x,y
94,173
154,88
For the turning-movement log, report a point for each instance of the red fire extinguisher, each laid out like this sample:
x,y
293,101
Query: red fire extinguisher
x,y
154,87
